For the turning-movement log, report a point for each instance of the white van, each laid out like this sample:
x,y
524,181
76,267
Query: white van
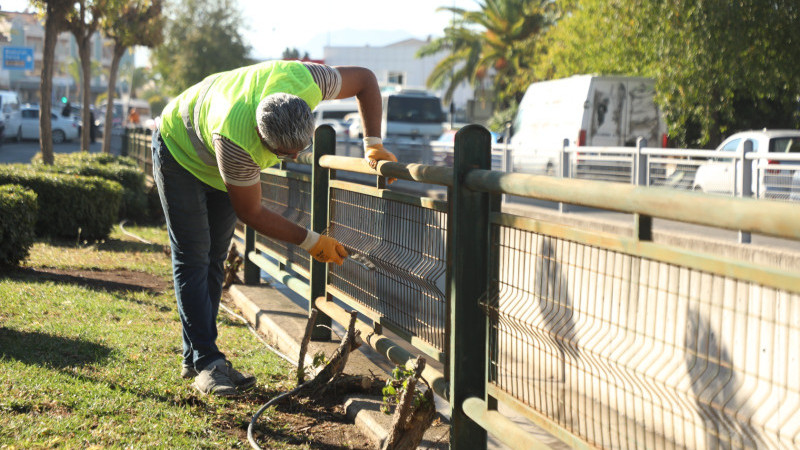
x,y
588,110
12,117
409,114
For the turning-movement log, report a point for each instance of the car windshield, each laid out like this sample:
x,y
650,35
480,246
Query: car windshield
x,y
414,109
784,145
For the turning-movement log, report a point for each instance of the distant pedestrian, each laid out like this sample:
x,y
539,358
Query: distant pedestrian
x,y
133,117
92,126
67,109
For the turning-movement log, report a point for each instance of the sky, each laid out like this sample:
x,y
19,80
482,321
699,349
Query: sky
x,y
308,25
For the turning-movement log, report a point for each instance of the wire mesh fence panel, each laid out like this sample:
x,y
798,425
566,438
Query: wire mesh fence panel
x,y
398,268
627,352
676,173
778,181
291,198
603,167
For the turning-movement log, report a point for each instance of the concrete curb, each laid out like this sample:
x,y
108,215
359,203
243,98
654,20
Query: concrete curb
x,y
282,323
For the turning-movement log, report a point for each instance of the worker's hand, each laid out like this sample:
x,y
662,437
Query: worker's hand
x,y
324,248
374,152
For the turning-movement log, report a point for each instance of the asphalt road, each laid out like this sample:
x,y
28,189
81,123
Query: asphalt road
x,y
22,152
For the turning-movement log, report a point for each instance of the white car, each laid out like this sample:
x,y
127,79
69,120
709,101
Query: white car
x,y
721,175
64,128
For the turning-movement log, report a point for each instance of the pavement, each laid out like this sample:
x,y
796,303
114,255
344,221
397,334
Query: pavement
x,y
280,315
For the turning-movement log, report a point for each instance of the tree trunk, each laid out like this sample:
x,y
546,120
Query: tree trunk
x,y
46,86
84,51
112,87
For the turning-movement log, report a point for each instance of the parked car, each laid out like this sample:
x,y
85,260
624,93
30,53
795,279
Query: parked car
x,y
354,128
10,115
722,175
333,113
64,128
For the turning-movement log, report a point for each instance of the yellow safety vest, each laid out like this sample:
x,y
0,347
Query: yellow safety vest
x,y
227,107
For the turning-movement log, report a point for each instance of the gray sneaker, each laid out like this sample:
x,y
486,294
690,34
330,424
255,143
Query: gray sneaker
x,y
214,379
188,371
241,380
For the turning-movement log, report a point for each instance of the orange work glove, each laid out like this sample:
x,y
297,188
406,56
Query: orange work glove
x,y
374,152
324,248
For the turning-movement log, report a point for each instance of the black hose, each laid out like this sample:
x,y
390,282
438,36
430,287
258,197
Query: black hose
x,y
271,402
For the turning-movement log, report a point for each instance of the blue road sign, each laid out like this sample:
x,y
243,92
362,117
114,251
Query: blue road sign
x,y
18,58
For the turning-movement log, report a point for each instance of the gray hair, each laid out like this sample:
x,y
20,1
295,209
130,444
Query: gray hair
x,y
285,122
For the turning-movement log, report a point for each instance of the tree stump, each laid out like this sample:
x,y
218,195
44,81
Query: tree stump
x,y
410,421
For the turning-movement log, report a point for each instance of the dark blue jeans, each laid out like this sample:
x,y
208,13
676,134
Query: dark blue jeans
x,y
200,221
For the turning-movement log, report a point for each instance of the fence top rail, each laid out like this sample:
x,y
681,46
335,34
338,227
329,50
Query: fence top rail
x,y
680,152
772,218
422,173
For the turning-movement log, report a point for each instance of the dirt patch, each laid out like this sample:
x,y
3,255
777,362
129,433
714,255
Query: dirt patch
x,y
111,280
305,423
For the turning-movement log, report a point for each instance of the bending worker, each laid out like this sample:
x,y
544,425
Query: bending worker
x,y
208,151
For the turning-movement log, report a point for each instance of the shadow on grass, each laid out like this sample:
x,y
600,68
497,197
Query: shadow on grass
x,y
108,281
47,350
108,245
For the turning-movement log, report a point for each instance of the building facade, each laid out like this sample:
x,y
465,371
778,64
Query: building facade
x,y
398,64
26,30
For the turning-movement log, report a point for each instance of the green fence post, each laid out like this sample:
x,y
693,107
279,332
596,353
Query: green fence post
x,y
470,240
324,144
252,273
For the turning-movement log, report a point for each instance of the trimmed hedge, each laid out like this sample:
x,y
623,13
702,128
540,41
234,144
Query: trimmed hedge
x,y
73,206
84,157
18,208
123,170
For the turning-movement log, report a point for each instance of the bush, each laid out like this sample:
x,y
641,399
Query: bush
x,y
123,170
83,157
69,205
17,220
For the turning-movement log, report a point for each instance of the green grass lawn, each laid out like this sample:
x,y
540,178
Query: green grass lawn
x,y
94,361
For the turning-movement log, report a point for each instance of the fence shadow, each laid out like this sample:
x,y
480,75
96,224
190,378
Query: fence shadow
x,y
716,388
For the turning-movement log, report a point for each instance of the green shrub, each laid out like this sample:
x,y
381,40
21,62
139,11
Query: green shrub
x,y
83,157
70,205
134,200
17,220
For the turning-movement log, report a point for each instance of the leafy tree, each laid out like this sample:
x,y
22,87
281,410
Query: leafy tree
x,y
595,36
719,66
201,37
725,66
54,12
293,53
73,69
491,40
134,22
83,21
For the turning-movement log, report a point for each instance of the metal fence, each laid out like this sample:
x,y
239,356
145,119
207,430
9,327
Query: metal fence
x,y
604,340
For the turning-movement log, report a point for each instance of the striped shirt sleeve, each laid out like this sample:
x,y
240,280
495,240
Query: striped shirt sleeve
x,y
235,165
327,78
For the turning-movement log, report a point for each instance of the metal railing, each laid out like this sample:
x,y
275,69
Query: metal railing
x,y
603,340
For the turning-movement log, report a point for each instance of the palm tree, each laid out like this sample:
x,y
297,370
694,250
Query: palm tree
x,y
495,40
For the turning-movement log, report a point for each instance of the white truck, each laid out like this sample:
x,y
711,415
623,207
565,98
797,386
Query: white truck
x,y
588,110
411,115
